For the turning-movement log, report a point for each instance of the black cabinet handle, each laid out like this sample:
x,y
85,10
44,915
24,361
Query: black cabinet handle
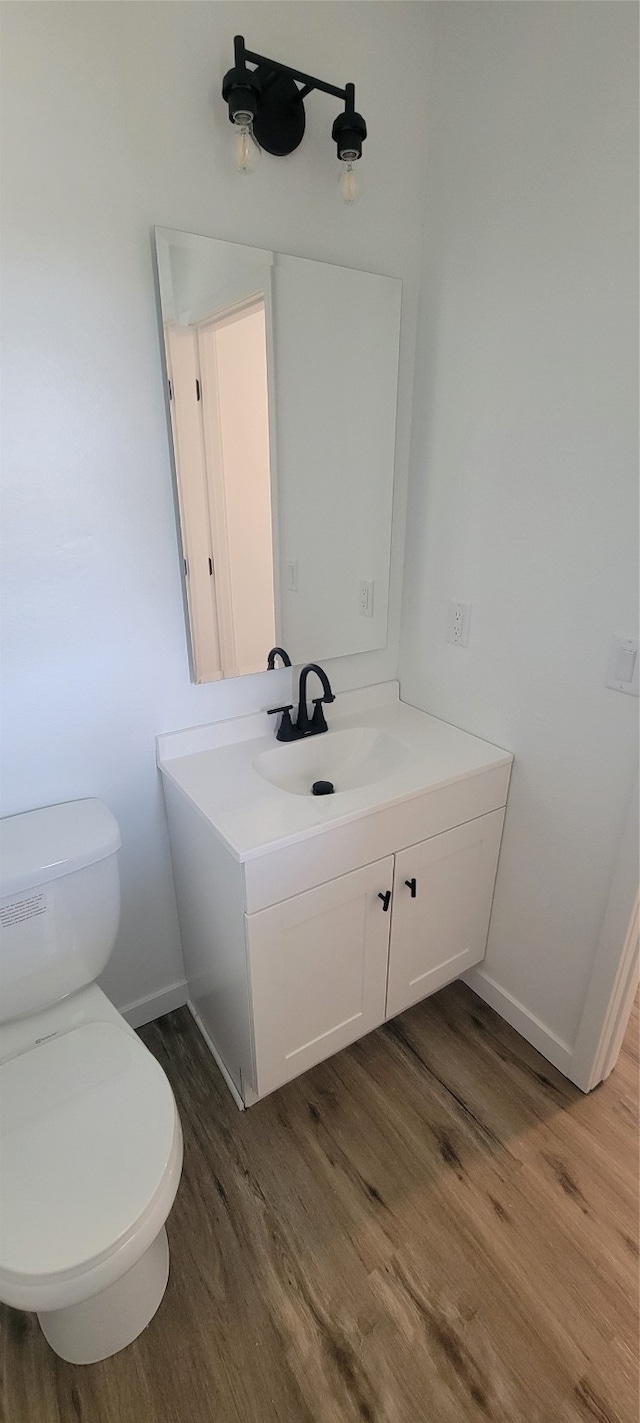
x,y
386,900
411,884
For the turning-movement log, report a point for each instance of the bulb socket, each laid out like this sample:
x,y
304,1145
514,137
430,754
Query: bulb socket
x,y
348,133
241,91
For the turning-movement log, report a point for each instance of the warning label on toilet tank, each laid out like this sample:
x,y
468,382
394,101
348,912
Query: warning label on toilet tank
x,y
16,911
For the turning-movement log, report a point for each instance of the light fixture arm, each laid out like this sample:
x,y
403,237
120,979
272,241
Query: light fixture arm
x,y
243,55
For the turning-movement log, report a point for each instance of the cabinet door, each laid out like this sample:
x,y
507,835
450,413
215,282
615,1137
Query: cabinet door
x,y
318,965
441,918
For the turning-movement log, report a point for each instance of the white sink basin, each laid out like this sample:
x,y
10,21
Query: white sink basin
x,y
256,791
359,756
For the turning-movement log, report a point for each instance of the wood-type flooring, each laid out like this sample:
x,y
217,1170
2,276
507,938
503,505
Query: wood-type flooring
x,y
433,1226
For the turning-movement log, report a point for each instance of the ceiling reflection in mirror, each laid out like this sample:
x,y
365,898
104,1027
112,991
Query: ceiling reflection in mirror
x,y
281,381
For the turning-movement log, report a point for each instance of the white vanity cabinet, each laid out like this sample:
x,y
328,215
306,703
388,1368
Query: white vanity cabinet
x,y
305,924
329,965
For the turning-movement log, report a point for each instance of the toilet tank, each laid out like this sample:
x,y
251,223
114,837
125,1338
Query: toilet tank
x,y
59,902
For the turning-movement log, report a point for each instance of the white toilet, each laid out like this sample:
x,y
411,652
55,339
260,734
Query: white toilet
x,y
90,1138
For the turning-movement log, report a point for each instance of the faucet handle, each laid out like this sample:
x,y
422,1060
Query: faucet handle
x,y
318,722
286,730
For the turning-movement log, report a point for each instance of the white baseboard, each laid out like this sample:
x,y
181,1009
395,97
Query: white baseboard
x,y
144,1010
529,1027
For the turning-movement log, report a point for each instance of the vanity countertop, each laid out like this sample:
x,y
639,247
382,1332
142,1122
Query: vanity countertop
x,y
215,768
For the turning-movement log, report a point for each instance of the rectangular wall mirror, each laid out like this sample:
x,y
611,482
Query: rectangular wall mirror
x,y
282,381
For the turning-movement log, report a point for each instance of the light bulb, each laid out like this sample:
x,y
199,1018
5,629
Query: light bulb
x,y
246,145
349,185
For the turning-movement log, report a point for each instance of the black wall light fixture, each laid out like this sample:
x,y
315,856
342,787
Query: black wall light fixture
x,y
267,108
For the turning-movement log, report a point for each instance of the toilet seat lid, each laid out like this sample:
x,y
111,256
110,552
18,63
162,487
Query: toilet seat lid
x,y
87,1123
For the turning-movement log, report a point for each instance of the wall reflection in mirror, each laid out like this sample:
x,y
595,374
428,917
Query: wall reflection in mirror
x,y
282,379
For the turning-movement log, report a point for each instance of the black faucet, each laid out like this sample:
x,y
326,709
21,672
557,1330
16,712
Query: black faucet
x,y
303,725
278,652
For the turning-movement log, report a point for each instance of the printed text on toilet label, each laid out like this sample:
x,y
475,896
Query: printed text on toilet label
x,y
17,911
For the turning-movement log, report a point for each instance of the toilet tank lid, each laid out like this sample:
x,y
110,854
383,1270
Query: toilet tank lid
x,y
45,844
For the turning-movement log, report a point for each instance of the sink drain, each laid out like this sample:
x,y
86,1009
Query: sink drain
x,y
322,788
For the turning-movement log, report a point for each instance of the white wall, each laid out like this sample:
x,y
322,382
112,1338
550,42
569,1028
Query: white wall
x,y
113,122
524,461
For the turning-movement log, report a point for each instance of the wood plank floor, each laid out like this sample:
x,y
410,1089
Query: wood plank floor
x,y
433,1226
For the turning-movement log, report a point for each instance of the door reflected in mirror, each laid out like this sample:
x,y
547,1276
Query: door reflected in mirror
x,y
281,381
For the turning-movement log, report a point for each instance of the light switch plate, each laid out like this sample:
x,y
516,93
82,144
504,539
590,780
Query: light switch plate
x,y
622,667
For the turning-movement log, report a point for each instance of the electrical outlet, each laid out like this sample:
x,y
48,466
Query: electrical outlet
x,y
458,619
365,606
